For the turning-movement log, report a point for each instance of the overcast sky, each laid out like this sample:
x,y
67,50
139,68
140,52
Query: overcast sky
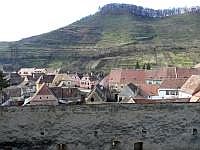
x,y
24,18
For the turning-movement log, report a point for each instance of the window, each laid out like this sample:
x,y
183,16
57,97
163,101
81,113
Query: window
x,y
172,92
92,99
167,92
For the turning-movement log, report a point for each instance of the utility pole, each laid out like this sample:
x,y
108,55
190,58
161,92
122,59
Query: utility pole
x,y
156,57
13,53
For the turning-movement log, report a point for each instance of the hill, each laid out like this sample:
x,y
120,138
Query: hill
x,y
116,36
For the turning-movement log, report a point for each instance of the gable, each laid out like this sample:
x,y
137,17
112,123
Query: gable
x,y
44,96
127,91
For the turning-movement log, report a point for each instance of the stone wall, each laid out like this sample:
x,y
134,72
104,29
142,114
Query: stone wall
x,y
101,127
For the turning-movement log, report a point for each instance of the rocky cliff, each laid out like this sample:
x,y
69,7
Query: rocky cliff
x,y
145,12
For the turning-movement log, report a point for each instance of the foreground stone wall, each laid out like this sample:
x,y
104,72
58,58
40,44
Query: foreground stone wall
x,y
101,127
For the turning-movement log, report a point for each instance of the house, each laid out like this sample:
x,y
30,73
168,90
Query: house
x,y
63,80
170,88
26,71
137,91
56,95
190,87
68,95
128,91
148,91
99,94
88,82
28,87
44,96
47,79
13,78
29,71
156,76
118,78
76,78
15,95
51,71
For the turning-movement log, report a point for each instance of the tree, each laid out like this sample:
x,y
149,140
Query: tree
x,y
3,82
144,66
137,66
148,66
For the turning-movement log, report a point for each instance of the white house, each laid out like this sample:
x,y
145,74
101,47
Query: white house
x,y
29,71
170,88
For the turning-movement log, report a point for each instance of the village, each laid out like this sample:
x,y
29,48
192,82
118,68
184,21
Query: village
x,y
43,86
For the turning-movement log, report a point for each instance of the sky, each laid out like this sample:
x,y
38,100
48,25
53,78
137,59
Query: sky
x,y
24,18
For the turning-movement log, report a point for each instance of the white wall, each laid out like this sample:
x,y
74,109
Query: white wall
x,y
183,94
162,94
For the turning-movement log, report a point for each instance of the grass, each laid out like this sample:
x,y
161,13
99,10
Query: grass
x,y
95,42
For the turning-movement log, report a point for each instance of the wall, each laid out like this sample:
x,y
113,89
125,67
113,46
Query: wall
x,y
162,93
182,94
95,127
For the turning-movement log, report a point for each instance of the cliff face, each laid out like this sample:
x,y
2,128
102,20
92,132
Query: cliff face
x,y
101,127
117,9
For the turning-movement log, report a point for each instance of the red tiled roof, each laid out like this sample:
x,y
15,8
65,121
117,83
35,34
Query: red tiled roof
x,y
126,76
115,76
121,76
187,72
63,93
192,85
129,75
148,89
160,73
173,83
